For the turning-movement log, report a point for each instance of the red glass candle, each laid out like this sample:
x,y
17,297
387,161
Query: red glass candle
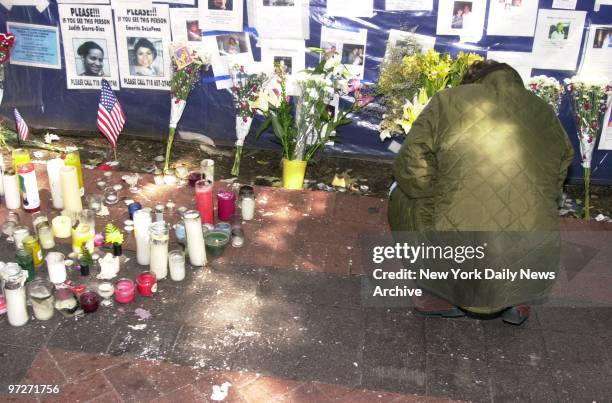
x,y
204,201
226,205
147,284
90,301
124,291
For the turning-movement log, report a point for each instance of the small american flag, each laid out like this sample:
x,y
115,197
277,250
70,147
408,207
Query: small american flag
x,y
110,115
22,127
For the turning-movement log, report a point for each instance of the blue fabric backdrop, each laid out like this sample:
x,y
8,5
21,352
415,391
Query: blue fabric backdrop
x,y
44,101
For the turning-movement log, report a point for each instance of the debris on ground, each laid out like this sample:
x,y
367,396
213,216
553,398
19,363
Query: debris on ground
x,y
142,326
142,313
220,392
50,138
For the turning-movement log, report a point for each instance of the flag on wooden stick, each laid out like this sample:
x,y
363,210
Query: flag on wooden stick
x,y
22,128
110,115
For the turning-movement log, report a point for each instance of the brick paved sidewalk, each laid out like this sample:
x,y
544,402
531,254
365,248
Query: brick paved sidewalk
x,y
281,319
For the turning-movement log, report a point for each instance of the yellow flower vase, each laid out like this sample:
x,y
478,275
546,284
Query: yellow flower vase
x,y
293,174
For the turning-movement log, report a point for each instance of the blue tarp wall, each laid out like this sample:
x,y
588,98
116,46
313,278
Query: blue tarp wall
x,y
44,101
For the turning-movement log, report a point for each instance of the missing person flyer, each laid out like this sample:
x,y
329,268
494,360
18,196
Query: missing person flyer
x,y
143,39
88,36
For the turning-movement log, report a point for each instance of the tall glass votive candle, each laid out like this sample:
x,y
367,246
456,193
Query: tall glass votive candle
x,y
160,235
82,235
40,292
124,291
30,243
29,187
56,267
226,205
142,222
207,168
12,196
74,159
53,170
24,260
195,238
45,236
71,193
247,202
15,294
176,260
204,201
62,226
19,234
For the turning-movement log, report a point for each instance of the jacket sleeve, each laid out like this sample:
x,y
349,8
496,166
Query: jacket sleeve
x,y
415,166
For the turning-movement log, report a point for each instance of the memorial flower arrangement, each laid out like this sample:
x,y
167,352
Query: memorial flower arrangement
x,y
113,236
432,72
244,90
589,103
547,88
187,66
6,43
302,127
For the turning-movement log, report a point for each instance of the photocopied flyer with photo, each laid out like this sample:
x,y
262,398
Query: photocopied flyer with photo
x,y
226,49
512,17
35,45
408,5
556,44
143,39
185,25
597,52
88,37
288,54
221,15
398,38
463,18
347,45
280,19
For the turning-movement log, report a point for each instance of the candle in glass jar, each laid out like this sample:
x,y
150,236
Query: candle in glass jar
x,y
204,201
12,196
82,235
124,291
207,168
90,301
40,292
53,170
142,222
70,189
74,159
226,205
31,244
176,260
28,186
159,234
147,284
19,234
195,238
62,226
15,294
45,236
56,267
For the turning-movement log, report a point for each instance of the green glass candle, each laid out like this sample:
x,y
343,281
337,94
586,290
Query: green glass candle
x,y
216,242
26,262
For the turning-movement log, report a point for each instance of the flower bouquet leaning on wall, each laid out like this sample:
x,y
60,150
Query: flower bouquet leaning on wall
x,y
430,72
186,68
304,126
245,89
547,88
589,102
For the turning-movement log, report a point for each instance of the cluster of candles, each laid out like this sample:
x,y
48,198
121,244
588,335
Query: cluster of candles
x,y
151,232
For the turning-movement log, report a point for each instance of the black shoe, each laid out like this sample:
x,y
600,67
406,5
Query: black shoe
x,y
516,315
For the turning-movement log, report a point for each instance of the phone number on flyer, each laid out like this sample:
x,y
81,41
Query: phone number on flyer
x,y
34,389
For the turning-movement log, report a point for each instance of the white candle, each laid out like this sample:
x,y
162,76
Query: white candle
x,y
247,206
15,294
195,238
53,170
43,303
142,222
71,193
159,260
207,168
176,261
12,197
62,226
56,267
45,237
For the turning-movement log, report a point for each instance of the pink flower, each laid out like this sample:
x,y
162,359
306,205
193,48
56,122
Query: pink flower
x,y
365,100
595,125
245,119
276,92
355,85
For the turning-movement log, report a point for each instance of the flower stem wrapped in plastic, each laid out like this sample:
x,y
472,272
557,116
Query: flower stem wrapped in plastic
x,y
186,68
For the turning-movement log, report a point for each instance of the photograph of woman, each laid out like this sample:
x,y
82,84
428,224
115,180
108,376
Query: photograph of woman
x,y
144,57
91,61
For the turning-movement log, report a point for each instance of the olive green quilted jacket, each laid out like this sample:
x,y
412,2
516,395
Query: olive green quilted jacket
x,y
484,156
